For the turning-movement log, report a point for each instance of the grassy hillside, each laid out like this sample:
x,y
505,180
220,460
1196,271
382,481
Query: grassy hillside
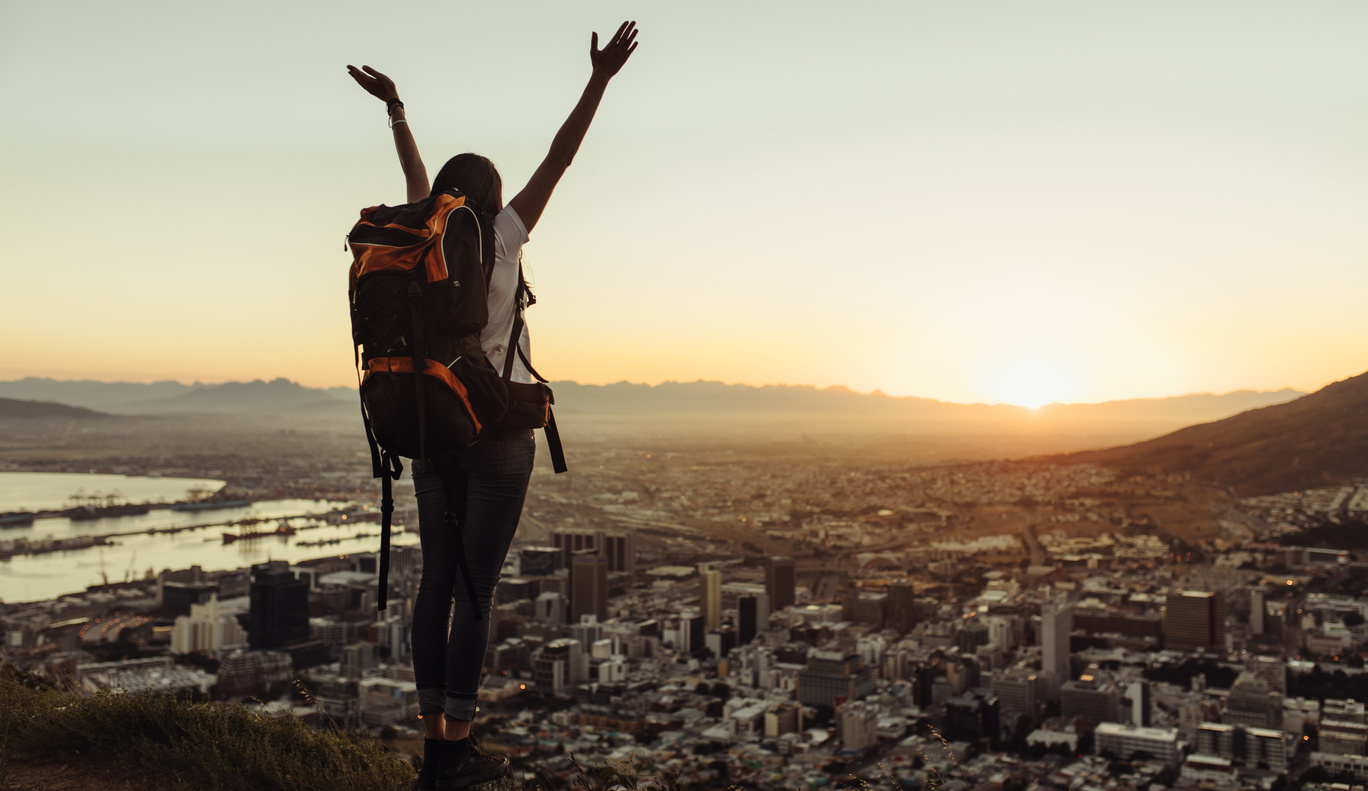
x,y
55,741
171,743
1318,440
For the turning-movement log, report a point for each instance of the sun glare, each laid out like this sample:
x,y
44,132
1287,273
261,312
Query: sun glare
x,y
1033,381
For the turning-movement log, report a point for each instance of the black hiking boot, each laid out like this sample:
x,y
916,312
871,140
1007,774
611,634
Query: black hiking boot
x,y
463,765
432,757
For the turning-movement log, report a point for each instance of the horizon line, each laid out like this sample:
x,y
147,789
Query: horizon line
x,y
837,387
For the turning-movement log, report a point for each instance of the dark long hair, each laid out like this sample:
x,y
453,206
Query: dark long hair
x,y
474,175
477,177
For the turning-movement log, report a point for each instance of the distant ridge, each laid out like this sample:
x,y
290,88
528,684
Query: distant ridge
x,y
1315,441
682,400
14,408
704,399
257,396
279,396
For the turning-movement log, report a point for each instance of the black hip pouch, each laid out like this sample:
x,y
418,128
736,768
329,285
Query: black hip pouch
x,y
529,406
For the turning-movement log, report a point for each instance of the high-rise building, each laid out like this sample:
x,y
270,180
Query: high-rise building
x,y
618,546
972,717
780,581
357,658
832,678
1257,609
587,631
864,607
1002,630
858,725
1137,702
710,597
692,634
539,561
782,718
178,596
588,586
553,666
902,607
1092,696
1020,693
279,607
573,542
206,629
1252,703
550,608
752,615
721,641
620,549
962,674
1056,622
1272,669
971,636
1193,620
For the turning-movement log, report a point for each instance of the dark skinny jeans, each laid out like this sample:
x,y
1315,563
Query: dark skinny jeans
x,y
489,480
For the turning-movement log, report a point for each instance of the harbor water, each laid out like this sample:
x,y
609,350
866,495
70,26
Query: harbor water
x,y
133,552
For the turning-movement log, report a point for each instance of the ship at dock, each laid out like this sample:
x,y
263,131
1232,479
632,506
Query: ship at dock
x,y
283,530
16,519
210,505
86,507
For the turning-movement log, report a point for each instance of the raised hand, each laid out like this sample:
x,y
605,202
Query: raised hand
x,y
609,60
375,83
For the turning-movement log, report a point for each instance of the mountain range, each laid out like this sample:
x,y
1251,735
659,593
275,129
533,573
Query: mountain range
x,y
1316,441
684,401
1254,442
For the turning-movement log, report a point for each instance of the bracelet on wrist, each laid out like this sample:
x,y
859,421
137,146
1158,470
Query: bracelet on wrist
x,y
393,103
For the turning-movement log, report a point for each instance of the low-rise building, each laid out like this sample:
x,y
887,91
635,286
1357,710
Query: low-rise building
x,y
1126,741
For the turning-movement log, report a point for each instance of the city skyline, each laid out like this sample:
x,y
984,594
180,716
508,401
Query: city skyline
x,y
1070,202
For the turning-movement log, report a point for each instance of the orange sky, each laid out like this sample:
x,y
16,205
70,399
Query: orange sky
x,y
1071,201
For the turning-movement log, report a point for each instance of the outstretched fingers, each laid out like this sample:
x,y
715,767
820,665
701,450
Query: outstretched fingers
x,y
610,59
374,83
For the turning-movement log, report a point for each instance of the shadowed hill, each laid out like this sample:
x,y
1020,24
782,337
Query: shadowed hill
x,y
13,408
1316,441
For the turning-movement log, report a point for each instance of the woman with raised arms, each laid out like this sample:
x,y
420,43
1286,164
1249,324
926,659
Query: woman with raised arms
x,y
492,475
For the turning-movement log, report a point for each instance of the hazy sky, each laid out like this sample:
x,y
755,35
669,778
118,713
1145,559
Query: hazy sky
x,y
971,201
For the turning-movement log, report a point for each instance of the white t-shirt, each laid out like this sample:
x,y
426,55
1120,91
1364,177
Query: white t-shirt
x,y
509,237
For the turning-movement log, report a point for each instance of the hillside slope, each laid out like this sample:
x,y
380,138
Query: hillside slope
x,y
14,408
1315,441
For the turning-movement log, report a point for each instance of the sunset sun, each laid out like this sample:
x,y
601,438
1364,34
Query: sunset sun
x,y
1033,380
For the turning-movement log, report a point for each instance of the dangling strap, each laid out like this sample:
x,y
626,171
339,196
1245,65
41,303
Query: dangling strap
x,y
393,468
514,349
457,526
386,468
553,443
415,293
553,440
365,418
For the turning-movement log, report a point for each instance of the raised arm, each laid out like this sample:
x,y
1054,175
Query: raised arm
x,y
606,62
382,87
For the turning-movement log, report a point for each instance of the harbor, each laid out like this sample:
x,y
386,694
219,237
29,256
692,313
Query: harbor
x,y
50,552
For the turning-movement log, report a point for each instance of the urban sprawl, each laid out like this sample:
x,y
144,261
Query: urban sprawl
x,y
781,622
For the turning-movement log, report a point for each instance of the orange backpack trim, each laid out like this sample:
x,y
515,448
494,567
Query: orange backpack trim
x,y
404,365
369,258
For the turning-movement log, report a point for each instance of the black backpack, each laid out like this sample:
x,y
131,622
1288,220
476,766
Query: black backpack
x,y
418,293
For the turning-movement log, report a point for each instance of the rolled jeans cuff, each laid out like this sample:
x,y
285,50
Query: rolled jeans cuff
x,y
431,701
460,707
